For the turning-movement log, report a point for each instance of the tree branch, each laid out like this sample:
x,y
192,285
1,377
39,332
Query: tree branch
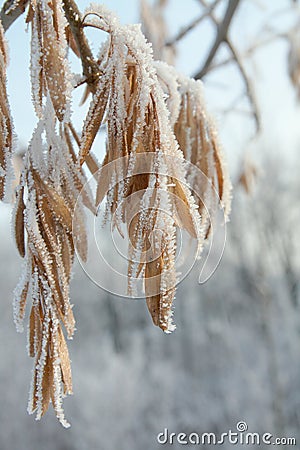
x,y
11,10
184,31
90,67
237,59
249,52
221,36
249,89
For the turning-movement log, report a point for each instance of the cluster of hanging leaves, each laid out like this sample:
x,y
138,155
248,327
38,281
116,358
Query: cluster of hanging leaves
x,y
49,66
197,137
154,120
132,101
53,183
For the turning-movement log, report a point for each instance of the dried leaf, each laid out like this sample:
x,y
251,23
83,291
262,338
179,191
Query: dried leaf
x,y
94,118
35,331
65,363
56,202
19,222
152,284
47,384
182,208
49,69
5,120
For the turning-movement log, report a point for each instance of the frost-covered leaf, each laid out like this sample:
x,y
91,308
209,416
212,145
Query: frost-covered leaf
x,y
5,121
152,284
94,117
50,73
19,221
56,202
197,137
53,181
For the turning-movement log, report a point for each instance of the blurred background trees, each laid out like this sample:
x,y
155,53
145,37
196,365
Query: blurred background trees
x,y
235,353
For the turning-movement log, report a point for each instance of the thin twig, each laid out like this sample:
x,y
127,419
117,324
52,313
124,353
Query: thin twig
x,y
184,31
249,88
238,60
89,64
221,36
248,52
11,10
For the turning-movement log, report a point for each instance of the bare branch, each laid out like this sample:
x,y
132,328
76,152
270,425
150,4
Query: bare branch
x,y
221,36
10,12
249,52
238,60
89,65
184,31
249,88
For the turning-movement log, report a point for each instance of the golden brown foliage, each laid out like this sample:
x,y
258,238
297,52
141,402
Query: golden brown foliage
x,y
154,120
